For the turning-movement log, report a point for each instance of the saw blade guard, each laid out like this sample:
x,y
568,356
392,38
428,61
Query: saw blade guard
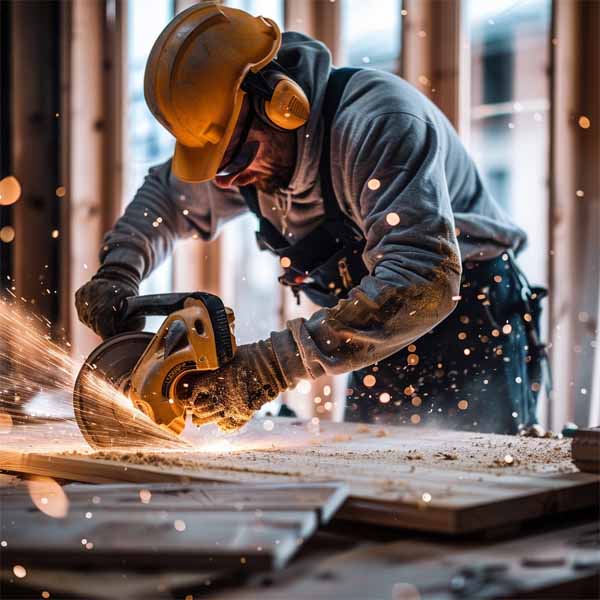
x,y
145,368
197,337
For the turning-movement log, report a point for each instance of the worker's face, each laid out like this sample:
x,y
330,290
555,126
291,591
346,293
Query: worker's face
x,y
265,158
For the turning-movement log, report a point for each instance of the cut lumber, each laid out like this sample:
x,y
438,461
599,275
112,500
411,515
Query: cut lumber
x,y
439,481
324,499
558,564
175,540
586,449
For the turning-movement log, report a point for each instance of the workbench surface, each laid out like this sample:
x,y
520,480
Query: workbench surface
x,y
410,478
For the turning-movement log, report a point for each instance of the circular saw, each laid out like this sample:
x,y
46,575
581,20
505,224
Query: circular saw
x,y
132,390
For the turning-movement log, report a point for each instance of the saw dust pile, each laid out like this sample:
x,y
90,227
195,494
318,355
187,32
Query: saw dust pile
x,y
37,370
399,464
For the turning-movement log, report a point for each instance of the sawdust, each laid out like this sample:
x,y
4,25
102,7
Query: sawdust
x,y
337,454
341,437
446,456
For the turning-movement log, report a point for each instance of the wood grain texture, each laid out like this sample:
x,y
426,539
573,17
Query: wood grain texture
x,y
451,482
323,499
586,449
543,565
179,538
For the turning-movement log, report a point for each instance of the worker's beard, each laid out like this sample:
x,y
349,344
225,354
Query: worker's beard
x,y
276,159
273,162
275,181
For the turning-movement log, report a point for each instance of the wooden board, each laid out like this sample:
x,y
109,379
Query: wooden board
x,y
451,482
177,539
560,564
324,499
107,584
586,449
172,526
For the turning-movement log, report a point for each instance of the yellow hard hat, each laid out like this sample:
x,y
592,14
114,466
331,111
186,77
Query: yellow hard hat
x,y
193,80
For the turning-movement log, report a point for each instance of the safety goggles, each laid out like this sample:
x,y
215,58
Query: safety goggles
x,y
240,153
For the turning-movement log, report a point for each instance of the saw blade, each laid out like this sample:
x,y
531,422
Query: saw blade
x,y
105,415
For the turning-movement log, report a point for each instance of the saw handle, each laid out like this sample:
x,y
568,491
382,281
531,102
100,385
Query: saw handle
x,y
166,304
160,304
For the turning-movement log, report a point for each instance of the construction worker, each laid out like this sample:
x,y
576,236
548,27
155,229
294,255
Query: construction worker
x,y
378,214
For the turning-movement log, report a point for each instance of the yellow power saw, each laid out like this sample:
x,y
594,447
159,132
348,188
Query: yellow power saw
x,y
148,371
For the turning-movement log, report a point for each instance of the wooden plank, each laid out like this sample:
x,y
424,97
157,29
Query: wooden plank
x,y
402,478
323,499
107,584
175,539
586,449
544,565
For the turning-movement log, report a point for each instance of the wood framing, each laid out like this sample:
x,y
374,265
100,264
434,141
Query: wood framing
x,y
115,95
35,152
431,51
299,16
575,197
87,150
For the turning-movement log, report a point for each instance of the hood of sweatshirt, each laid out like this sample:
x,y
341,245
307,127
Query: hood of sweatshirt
x,y
297,209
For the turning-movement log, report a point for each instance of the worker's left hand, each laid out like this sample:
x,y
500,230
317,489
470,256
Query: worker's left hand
x,y
232,394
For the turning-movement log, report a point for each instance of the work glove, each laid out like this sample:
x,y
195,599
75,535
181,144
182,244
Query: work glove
x,y
230,395
98,301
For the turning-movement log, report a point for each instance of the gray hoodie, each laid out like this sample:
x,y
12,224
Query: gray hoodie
x,y
392,151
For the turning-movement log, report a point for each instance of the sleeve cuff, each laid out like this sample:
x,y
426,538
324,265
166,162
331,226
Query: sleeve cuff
x,y
126,258
288,356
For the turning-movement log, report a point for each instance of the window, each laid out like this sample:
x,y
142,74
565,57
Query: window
x,y
248,276
371,33
274,9
147,143
510,102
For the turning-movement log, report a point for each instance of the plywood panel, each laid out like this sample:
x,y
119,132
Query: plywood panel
x,y
175,539
452,482
323,498
549,565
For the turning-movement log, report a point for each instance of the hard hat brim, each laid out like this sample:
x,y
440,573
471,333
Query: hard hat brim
x,y
193,165
199,164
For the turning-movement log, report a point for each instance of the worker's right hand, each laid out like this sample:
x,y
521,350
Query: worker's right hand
x,y
99,300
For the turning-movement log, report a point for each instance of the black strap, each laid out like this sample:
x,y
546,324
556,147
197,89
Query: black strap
x,y
336,84
338,79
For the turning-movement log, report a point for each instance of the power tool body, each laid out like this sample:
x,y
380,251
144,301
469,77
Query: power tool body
x,y
151,370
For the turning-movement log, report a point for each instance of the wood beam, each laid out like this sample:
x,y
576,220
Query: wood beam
x,y
565,145
588,223
326,25
35,160
299,16
432,51
87,146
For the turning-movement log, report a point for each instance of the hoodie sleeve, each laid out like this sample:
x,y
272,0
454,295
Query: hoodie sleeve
x,y
393,183
163,210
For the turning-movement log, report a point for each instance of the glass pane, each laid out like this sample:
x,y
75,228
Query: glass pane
x,y
249,281
274,9
371,33
147,142
510,105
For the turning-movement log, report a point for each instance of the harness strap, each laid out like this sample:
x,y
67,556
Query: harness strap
x,y
338,79
336,84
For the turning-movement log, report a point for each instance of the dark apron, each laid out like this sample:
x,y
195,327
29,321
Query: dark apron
x,y
480,369
446,386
